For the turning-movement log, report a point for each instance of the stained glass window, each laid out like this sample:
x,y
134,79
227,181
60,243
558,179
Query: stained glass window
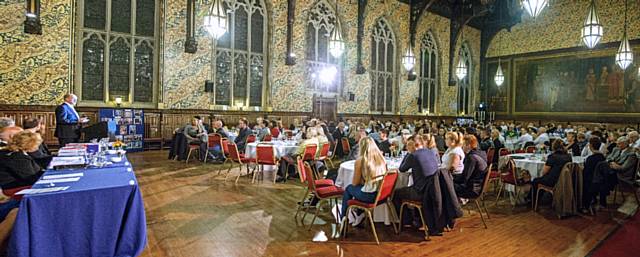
x,y
117,53
322,21
464,86
240,55
383,77
428,73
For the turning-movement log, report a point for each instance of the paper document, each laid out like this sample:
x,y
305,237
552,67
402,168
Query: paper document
x,y
41,190
62,161
69,175
60,180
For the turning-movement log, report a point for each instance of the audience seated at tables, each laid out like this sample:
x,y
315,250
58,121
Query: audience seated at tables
x,y
469,183
572,144
524,138
337,135
17,168
582,141
486,141
498,143
542,138
219,129
422,160
383,144
288,165
452,158
263,129
634,139
355,148
368,172
588,189
42,156
552,168
6,133
196,134
440,142
244,132
619,165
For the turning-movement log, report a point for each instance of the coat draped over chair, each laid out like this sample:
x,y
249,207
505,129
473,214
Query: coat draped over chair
x,y
567,194
440,202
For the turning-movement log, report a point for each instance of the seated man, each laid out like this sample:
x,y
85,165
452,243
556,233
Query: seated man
x,y
469,183
290,160
43,155
383,144
620,165
263,129
244,132
196,135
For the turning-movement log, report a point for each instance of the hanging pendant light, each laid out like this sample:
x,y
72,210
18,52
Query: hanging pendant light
x,y
624,56
336,44
534,7
592,29
499,78
461,69
216,20
409,59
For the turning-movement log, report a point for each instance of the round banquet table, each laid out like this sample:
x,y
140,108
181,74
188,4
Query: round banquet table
x,y
381,212
282,148
532,163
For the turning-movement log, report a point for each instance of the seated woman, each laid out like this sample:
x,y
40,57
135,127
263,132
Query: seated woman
x,y
17,167
368,169
452,158
469,183
552,168
422,160
589,190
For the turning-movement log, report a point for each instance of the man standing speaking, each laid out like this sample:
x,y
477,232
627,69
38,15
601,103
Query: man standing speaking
x,y
68,121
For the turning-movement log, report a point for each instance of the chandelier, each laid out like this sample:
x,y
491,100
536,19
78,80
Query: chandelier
x,y
336,44
624,56
592,29
461,69
215,22
409,59
499,78
534,7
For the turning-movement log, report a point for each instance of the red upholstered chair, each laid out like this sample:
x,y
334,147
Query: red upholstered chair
x,y
520,151
509,177
325,193
485,186
384,193
324,154
215,139
332,154
288,134
11,192
531,149
346,147
267,138
225,150
236,157
310,189
309,156
504,151
251,138
265,155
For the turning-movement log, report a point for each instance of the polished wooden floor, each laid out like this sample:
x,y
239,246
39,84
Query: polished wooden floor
x,y
191,211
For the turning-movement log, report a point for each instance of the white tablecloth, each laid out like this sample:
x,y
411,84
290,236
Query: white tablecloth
x,y
282,148
534,163
380,213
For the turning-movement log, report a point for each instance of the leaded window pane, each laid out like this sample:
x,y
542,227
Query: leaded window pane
x,y
374,54
382,67
389,58
240,79
143,84
95,14
223,78
93,68
380,92
119,60
257,32
428,73
145,17
121,16
432,96
240,29
257,77
323,40
389,95
322,21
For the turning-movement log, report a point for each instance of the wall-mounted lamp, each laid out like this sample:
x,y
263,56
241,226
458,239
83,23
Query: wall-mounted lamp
x,y
32,23
118,101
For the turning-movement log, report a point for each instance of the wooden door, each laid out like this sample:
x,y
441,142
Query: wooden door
x,y
325,108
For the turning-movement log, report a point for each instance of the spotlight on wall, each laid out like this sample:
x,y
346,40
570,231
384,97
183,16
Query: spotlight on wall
x,y
32,24
118,101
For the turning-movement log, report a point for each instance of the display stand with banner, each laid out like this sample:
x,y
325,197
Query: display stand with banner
x,y
129,126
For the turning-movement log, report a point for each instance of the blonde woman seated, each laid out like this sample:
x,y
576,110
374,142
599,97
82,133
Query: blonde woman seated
x,y
369,167
452,158
17,168
290,160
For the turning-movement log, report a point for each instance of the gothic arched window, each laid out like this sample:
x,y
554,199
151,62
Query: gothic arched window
x,y
429,71
465,90
383,70
320,63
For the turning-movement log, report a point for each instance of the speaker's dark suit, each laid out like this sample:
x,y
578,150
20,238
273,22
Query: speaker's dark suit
x,y
67,127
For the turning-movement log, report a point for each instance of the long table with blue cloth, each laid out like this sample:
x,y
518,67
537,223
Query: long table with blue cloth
x,y
101,214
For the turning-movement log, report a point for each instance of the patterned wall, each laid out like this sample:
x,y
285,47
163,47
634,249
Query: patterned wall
x,y
556,28
34,69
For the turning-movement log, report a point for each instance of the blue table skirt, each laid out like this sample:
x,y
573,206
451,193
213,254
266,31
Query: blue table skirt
x,y
102,214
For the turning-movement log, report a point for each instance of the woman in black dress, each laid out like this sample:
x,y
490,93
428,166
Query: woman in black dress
x,y
552,168
17,168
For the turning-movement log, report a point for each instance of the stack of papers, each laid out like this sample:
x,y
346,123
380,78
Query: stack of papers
x,y
72,152
66,161
59,180
31,191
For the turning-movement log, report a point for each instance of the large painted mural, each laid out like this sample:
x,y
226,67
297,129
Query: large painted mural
x,y
576,84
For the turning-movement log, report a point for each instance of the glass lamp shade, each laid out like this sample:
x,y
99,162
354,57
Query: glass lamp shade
x,y
408,60
499,78
336,45
461,70
534,7
216,21
624,56
592,29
